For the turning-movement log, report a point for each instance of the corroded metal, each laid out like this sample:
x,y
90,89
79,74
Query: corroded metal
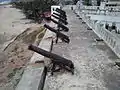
x,y
56,59
60,35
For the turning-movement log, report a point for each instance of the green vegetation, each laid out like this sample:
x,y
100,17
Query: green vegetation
x,y
87,2
34,9
98,2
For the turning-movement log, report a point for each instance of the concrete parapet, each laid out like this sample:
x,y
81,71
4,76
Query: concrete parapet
x,y
33,73
110,39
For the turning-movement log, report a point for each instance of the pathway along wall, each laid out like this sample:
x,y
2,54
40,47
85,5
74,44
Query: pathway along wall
x,y
110,39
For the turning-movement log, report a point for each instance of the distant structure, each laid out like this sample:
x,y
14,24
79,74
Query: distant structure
x,y
113,3
108,2
94,2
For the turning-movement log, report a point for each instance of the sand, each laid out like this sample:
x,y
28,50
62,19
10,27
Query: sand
x,y
12,23
16,33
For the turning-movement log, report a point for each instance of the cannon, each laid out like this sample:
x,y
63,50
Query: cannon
x,y
60,11
111,28
56,60
107,26
64,28
59,34
114,27
62,16
60,19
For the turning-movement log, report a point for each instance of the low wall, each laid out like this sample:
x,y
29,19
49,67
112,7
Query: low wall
x,y
110,39
32,75
68,7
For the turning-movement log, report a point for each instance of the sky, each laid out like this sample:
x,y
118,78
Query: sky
x,y
4,0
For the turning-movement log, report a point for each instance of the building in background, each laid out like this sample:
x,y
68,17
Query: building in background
x,y
97,2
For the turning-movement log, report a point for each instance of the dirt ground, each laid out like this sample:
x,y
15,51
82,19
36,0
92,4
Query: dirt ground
x,y
93,61
16,55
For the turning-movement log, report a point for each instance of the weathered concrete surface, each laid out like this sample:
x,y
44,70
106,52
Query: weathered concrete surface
x,y
94,61
30,79
32,75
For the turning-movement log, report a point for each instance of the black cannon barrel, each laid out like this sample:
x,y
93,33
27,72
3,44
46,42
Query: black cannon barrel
x,y
60,35
55,58
60,11
62,16
62,20
107,26
59,24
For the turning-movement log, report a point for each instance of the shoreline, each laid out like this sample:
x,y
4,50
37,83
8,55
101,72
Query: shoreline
x,y
13,23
